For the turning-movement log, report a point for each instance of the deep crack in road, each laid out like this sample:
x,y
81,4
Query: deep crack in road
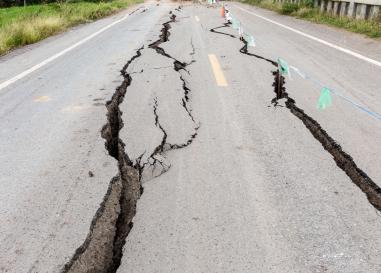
x,y
252,189
103,248
343,160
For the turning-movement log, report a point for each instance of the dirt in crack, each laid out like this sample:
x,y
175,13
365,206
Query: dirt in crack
x,y
102,249
342,159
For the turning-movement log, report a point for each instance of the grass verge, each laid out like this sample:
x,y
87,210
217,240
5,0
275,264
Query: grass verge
x,y
371,28
26,25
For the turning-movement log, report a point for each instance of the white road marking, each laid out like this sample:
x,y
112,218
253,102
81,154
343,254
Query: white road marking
x,y
197,19
52,58
345,50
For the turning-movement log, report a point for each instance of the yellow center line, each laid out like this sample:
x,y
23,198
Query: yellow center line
x,y
197,19
74,108
42,99
218,74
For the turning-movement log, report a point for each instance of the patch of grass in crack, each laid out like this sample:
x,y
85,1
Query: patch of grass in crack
x,y
26,25
304,10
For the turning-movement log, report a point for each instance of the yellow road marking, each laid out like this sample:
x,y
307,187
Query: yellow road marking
x,y
74,108
42,99
197,19
218,74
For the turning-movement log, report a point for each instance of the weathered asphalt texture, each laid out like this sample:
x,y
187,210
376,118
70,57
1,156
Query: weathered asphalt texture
x,y
125,156
255,191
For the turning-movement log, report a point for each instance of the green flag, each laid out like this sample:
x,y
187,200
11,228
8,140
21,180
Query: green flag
x,y
283,67
325,99
235,23
249,39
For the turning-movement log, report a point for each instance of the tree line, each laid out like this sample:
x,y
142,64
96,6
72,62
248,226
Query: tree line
x,y
12,3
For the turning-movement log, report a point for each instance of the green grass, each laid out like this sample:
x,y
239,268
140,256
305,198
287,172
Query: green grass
x,y
26,25
306,11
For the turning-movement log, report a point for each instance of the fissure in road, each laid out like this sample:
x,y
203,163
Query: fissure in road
x,y
102,249
342,159
155,159
101,252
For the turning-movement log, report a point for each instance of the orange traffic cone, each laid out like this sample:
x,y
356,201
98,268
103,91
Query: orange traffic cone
x,y
222,11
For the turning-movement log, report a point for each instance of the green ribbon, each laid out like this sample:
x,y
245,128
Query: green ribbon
x,y
283,67
235,23
325,99
249,39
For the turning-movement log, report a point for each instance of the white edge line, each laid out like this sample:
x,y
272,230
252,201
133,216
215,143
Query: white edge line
x,y
354,54
59,54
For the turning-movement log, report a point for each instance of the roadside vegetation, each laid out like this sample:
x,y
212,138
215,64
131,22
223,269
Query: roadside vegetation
x,y
26,25
305,10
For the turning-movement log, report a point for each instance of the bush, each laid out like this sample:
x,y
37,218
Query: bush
x,y
288,8
14,3
29,32
305,12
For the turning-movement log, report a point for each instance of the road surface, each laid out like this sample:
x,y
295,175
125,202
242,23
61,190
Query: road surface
x,y
144,142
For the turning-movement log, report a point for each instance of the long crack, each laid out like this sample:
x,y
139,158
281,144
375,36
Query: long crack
x,y
156,156
177,65
102,250
223,33
342,159
279,80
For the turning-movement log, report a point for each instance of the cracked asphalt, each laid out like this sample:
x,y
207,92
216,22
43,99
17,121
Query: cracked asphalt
x,y
200,171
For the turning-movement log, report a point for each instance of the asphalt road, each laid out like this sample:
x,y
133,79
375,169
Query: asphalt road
x,y
230,182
